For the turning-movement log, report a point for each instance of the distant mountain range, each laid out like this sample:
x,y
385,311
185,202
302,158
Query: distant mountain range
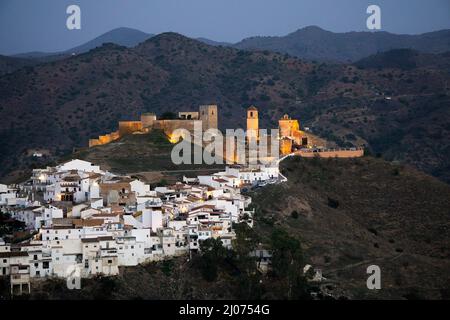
x,y
314,43
311,43
126,37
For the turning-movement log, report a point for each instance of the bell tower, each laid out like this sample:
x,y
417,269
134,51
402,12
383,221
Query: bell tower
x,y
252,123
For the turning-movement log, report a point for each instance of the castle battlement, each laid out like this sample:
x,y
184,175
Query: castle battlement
x,y
208,114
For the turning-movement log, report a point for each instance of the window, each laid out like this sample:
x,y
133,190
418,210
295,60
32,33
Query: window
x,y
36,265
4,260
45,265
110,261
35,257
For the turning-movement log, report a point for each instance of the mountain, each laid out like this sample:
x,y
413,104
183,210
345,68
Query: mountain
x,y
10,64
314,43
399,114
214,43
405,59
121,36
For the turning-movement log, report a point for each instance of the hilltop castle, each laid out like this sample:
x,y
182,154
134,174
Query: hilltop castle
x,y
208,114
290,134
291,138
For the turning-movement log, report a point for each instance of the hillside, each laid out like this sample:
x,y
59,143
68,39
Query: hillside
x,y
314,43
404,59
60,105
146,156
354,213
346,213
11,64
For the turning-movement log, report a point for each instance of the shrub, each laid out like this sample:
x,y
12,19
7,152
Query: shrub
x,y
333,203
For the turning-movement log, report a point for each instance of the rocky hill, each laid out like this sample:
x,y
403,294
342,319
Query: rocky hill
x,y
11,64
56,106
350,214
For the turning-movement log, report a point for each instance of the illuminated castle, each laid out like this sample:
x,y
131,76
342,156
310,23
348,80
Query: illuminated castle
x,y
208,114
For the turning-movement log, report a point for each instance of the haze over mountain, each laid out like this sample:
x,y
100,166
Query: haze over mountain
x,y
314,43
121,36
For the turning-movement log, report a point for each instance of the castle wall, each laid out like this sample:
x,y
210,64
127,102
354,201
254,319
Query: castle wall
x,y
94,143
332,153
128,127
208,114
148,120
169,126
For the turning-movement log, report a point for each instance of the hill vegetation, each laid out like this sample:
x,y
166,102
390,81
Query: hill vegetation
x,y
58,106
349,214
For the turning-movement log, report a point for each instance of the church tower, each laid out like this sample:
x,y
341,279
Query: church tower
x,y
252,123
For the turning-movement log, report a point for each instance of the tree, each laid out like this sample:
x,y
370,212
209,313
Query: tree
x,y
168,116
213,255
287,264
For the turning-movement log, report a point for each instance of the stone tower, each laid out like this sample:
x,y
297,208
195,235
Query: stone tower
x,y
148,119
252,123
209,116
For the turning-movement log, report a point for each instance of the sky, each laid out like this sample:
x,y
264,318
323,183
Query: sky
x,y
40,25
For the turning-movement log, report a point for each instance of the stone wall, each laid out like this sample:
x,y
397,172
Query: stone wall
x,y
332,153
129,127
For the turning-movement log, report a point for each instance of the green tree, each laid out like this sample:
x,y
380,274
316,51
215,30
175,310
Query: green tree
x,y
287,264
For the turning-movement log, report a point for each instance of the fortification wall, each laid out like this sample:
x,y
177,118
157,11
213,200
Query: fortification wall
x,y
148,120
169,126
93,143
128,127
332,153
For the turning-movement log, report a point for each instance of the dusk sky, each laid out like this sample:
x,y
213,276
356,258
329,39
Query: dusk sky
x,y
40,25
